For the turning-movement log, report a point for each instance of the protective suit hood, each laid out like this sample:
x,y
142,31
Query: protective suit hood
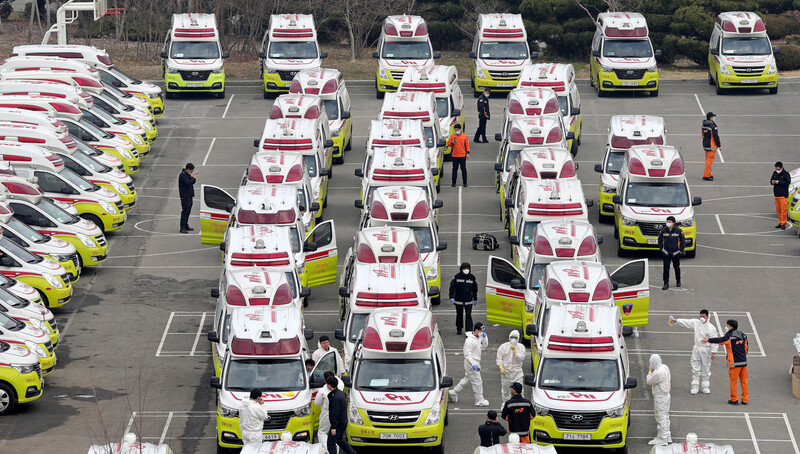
x,y
514,334
655,361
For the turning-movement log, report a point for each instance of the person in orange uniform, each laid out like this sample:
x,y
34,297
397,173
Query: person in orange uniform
x,y
460,153
781,180
735,343
711,143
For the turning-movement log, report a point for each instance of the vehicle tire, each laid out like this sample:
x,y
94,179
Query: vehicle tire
x,y
574,148
622,450
221,450
605,219
616,232
45,301
305,302
692,254
720,90
168,94
579,139
446,418
436,300
710,79
773,91
591,80
378,94
439,449
654,93
95,220
349,145
339,160
526,343
600,92
221,95
8,399
325,202
266,94
439,185
621,252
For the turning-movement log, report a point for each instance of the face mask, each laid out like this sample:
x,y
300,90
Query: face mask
x,y
513,341
703,320
669,225
458,133
465,271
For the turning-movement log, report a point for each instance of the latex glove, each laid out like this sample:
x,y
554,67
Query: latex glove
x,y
476,368
649,371
452,300
475,303
502,369
483,334
514,349
713,355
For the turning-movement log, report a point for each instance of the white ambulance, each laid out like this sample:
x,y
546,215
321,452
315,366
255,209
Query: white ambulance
x,y
65,92
692,446
652,185
397,166
403,43
515,448
571,379
395,133
285,447
191,59
418,106
559,77
622,55
329,84
130,445
399,381
740,54
27,311
289,46
442,81
286,168
500,50
59,108
42,119
624,131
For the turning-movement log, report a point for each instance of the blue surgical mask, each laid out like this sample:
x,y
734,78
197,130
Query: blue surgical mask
x,y
458,132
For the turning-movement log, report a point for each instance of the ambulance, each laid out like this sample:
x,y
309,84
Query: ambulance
x,y
624,131
740,54
365,287
689,447
314,257
286,168
396,166
622,55
128,99
419,106
44,274
515,448
121,149
442,81
78,77
652,185
31,337
99,59
399,381
31,118
46,216
267,351
396,133
310,107
20,376
285,447
307,137
130,445
69,93
192,56
570,379
403,43
500,50
59,250
250,286
102,175
329,84
120,128
289,46
133,114
534,201
34,66
60,108
33,313
794,198
559,77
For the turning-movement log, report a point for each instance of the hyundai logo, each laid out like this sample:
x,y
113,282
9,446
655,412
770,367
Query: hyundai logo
x,y
577,417
658,226
195,73
629,72
393,417
293,73
503,74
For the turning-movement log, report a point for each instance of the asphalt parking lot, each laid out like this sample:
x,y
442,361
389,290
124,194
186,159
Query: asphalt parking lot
x,y
134,355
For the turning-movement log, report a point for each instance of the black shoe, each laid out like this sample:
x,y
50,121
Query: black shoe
x,y
783,226
485,141
458,332
733,402
466,186
744,403
678,283
708,178
184,231
453,185
779,226
666,286
189,229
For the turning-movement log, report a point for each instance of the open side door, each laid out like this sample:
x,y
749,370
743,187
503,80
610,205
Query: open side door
x,y
214,215
504,305
633,292
326,363
321,264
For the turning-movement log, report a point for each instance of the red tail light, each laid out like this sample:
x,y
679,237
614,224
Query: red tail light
x,y
422,30
254,174
330,87
295,173
554,135
422,339
603,291
18,188
588,246
282,296
234,296
578,297
274,179
390,29
728,26
410,254
67,140
565,252
387,259
105,59
529,170
551,106
275,113
312,113
759,26
420,210
295,87
554,290
676,168
514,107
372,340
30,140
247,217
365,254
620,142
86,82
541,246
379,211
635,167
517,136
568,170
65,108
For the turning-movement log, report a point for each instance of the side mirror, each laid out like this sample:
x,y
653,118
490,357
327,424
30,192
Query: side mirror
x,y
595,53
437,54
308,333
305,292
437,204
447,382
498,167
325,172
310,247
215,292
531,330
433,291
323,54
339,334
442,245
589,202
262,54
509,203
213,336
614,286
222,247
630,383
229,207
599,239
345,115
328,143
570,135
518,284
343,292
775,51
226,54
598,168
534,54
697,201
347,381
513,239
216,383
575,111
164,54
314,206
375,54
530,380
616,199
498,137
627,331
455,112
359,204
255,142
441,143
473,55
359,173
658,53
435,171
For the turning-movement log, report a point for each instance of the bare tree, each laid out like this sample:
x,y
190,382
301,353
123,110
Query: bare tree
x,y
360,17
472,9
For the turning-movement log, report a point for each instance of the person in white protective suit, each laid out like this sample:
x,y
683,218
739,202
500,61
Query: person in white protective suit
x,y
251,418
322,402
659,379
702,354
510,356
476,341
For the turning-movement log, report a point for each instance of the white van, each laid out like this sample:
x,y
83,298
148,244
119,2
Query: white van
x,y
419,106
289,46
442,81
740,54
404,42
191,59
500,50
559,77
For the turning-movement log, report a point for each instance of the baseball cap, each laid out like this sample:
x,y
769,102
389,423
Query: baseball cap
x,y
709,115
516,386
478,326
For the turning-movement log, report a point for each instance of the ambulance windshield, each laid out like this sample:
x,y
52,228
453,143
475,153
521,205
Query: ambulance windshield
x,y
266,374
579,374
657,194
302,49
627,48
414,50
12,300
528,231
503,51
56,212
311,165
189,50
396,375
746,46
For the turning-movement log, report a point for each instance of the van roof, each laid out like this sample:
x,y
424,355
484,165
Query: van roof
x,y
554,198
532,101
317,81
386,245
501,27
34,64
34,135
393,330
257,286
259,245
405,27
399,204
308,107
276,167
267,331
556,76
28,154
537,130
278,200
585,329
741,23
546,163
637,129
17,87
396,132
89,54
414,105
565,239
18,188
654,161
292,27
43,119
291,134
622,25
400,164
577,282
433,78
194,27
68,78
388,285
279,447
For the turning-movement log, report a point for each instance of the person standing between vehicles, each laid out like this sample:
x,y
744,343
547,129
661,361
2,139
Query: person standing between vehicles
x,y
659,379
186,181
251,418
702,353
337,415
324,347
491,431
459,143
736,344
322,402
464,295
518,412
483,116
780,181
510,356
476,341
671,242
711,143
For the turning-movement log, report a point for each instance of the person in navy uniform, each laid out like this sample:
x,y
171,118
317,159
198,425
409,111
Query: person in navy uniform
x,y
186,181
671,242
483,116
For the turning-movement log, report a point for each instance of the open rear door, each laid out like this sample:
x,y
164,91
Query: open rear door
x,y
633,292
321,264
214,215
504,305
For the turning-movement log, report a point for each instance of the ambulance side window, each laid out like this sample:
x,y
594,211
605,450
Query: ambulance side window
x,y
714,42
291,277
217,199
29,215
51,183
596,40
226,329
504,272
322,235
629,275
545,319
13,262
326,363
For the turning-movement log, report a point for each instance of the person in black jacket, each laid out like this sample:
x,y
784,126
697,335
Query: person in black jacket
x,y
780,189
483,116
491,431
464,295
672,243
711,143
186,181
735,343
518,412
337,413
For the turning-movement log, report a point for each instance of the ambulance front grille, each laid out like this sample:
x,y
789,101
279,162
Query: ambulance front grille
x,y
397,75
278,420
568,420
287,76
38,368
130,186
53,324
504,75
101,240
393,417
650,228
74,259
49,346
748,70
629,74
194,75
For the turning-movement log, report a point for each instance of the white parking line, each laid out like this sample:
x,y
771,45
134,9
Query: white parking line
x,y
164,336
719,223
169,417
752,433
458,250
228,106
755,333
161,352
702,111
791,434
199,333
208,153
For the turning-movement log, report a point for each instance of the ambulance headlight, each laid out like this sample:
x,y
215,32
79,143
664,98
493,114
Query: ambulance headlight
x,y
38,324
353,415
628,221
606,69
219,70
145,125
480,73
135,139
270,70
382,73
652,69
88,242
541,411
53,280
301,268
723,69
687,223
609,189
153,95
109,208
24,368
433,272
434,416
303,411
36,348
530,306
616,412
172,70
335,132
773,69
315,192
228,412
124,153
120,188
60,257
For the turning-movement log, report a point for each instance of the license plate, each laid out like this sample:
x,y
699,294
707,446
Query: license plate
x,y
582,437
652,241
630,84
194,84
749,81
268,437
393,436
505,84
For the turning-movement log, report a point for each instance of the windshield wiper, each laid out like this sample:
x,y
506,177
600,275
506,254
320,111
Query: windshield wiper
x,y
372,388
